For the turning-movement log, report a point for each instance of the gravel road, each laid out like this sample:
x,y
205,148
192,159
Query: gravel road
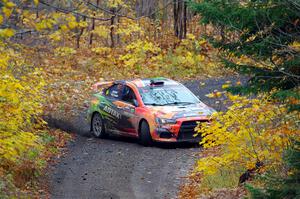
x,y
119,167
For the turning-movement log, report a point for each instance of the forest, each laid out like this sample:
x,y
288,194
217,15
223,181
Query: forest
x,y
53,51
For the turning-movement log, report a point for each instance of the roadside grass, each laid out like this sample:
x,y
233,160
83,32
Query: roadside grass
x,y
222,184
225,178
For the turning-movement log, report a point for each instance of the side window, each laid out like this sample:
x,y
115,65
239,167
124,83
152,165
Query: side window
x,y
128,95
114,91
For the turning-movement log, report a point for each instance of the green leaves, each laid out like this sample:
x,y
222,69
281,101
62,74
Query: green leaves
x,y
276,186
257,38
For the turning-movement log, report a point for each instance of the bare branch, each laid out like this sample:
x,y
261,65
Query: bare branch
x,y
126,16
66,11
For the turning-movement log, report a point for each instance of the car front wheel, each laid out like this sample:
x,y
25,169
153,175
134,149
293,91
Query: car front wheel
x,y
145,138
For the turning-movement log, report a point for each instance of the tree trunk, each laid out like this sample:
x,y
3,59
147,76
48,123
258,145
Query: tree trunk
x,y
180,19
184,19
37,12
222,33
112,28
175,12
146,8
79,35
93,26
118,39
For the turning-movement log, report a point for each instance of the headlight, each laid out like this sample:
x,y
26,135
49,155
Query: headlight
x,y
165,121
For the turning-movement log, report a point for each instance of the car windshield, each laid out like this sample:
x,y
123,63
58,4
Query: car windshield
x,y
167,95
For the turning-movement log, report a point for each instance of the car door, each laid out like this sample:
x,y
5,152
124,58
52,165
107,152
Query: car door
x,y
109,108
127,106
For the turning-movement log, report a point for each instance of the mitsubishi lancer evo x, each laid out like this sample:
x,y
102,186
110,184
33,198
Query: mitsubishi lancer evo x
x,y
155,109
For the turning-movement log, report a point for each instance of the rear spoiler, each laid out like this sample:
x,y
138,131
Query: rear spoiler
x,y
99,86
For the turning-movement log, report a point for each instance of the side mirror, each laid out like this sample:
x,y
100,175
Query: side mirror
x,y
135,103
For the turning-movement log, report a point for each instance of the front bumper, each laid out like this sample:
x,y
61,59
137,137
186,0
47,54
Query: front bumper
x,y
167,136
182,131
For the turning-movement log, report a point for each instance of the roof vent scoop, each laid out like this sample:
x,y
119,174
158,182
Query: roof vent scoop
x,y
154,82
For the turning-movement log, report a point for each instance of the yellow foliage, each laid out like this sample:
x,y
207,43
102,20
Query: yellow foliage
x,y
215,94
137,52
127,27
72,24
296,45
64,27
190,36
10,4
7,11
36,2
101,31
251,131
101,50
116,3
224,86
20,106
56,36
7,32
83,24
200,58
64,51
45,24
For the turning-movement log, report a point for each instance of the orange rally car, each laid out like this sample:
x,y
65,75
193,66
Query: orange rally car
x,y
154,109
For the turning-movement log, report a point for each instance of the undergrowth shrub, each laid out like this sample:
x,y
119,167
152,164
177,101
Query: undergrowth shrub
x,y
20,108
251,131
280,184
23,134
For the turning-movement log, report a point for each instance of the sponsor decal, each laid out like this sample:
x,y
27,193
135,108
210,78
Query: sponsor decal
x,y
112,112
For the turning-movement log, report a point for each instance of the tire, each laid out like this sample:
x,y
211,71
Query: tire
x,y
145,138
98,126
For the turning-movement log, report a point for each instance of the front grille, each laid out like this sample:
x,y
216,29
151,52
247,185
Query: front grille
x,y
187,131
167,135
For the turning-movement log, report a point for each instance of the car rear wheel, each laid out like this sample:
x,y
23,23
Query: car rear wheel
x,y
145,138
98,126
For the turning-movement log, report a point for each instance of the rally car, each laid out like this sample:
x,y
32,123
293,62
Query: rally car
x,y
154,109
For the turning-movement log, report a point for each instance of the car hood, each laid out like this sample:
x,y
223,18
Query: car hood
x,y
182,111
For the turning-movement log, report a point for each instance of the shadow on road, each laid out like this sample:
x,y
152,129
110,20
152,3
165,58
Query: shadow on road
x,y
156,144
81,128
